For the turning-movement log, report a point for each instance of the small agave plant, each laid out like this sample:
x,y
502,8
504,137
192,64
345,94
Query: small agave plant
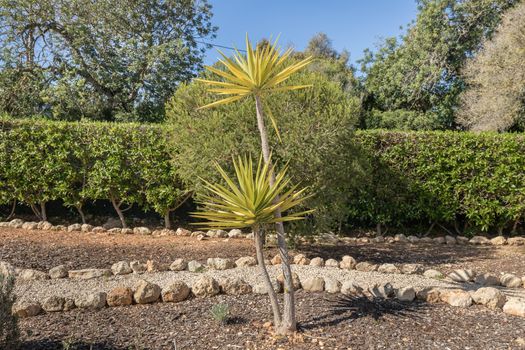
x,y
250,200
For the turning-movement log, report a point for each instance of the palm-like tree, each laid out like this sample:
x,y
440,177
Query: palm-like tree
x,y
251,201
257,74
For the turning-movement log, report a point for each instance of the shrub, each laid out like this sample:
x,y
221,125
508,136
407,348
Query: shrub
x,y
9,332
316,127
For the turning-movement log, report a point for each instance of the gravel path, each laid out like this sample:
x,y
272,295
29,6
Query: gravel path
x,y
38,290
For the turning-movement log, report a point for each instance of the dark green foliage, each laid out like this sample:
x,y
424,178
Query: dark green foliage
x,y
9,332
442,176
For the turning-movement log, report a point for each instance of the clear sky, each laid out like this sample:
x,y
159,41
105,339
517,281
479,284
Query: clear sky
x,y
351,24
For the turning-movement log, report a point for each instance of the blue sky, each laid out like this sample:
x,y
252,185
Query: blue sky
x,y
351,24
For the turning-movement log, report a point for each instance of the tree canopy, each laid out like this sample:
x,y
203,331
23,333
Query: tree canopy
x,y
106,59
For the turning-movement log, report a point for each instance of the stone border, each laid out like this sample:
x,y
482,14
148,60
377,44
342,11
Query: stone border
x,y
145,292
322,238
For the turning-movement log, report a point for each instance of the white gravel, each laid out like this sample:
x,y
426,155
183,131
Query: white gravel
x,y
38,290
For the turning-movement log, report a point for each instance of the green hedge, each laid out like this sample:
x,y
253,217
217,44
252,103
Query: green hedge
x,y
125,164
400,178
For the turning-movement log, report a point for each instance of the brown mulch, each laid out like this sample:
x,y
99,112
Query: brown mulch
x,y
325,322
45,249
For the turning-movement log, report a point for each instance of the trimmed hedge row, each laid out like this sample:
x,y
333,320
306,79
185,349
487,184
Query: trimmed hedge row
x,y
474,181
125,164
449,178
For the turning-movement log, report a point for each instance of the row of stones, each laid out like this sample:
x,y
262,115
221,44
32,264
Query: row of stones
x,y
235,233
45,225
347,262
145,292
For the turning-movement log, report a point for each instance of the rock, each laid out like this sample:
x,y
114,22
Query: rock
x,y
59,271
26,309
378,239
221,234
182,232
202,237
6,269
250,235
384,290
175,292
138,267
153,266
332,285
234,286
435,274
112,223
91,301
516,241
178,265
318,262
313,284
146,292
430,295
120,296
126,231
220,263
405,294
115,231
44,225
426,240
388,268
260,288
515,307
450,240
165,232
29,225
235,233
301,259
121,268
86,228
412,269
246,261
74,228
30,274
195,266
456,297
206,286
366,266
479,240
462,275
487,279
439,240
351,288
413,239
347,263
53,304
400,238
16,223
331,263
499,240
462,240
86,274
363,240
141,230
98,229
490,297
69,304
296,282
510,281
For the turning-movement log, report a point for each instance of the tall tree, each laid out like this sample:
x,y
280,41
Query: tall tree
x,y
495,98
421,72
105,59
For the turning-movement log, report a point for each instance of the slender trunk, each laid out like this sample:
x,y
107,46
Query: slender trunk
x,y
81,213
514,226
119,212
167,221
378,229
258,235
12,213
289,322
36,212
430,228
43,212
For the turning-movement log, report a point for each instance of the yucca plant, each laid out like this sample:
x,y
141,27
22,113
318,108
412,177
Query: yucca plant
x,y
262,71
251,201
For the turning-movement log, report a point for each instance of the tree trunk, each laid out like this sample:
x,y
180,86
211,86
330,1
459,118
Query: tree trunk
x,y
119,212
167,221
258,235
43,211
378,229
36,211
289,323
12,213
81,213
